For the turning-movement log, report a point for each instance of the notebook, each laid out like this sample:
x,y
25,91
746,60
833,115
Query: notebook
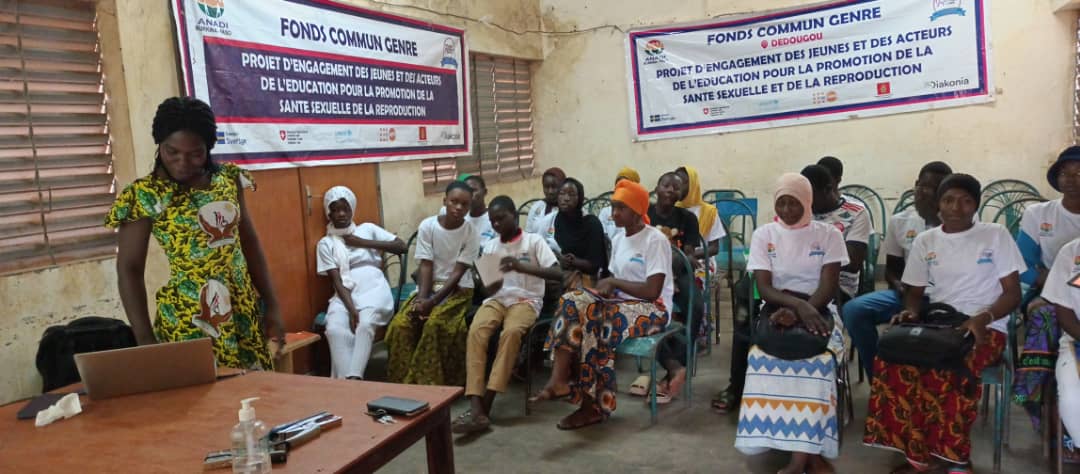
x,y
149,368
397,406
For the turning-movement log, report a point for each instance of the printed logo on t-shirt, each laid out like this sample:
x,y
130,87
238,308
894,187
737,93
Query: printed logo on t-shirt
x,y
839,226
986,256
1046,229
816,250
488,235
771,250
909,237
638,258
931,259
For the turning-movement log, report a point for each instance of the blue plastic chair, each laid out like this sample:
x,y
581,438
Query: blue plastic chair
x,y
712,195
999,380
644,348
730,209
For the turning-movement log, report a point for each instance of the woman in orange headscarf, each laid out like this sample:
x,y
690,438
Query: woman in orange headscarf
x,y
591,323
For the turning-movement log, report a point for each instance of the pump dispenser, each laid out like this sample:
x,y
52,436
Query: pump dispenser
x,y
251,447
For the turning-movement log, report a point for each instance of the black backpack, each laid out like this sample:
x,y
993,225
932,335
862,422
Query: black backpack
x,y
59,344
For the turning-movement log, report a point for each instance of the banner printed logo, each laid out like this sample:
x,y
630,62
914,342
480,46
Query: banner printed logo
x,y
946,8
449,50
654,48
212,8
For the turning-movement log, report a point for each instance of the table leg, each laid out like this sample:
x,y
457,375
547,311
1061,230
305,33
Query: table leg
x,y
440,447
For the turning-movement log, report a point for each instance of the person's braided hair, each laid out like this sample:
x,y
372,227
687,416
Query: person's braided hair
x,y
185,113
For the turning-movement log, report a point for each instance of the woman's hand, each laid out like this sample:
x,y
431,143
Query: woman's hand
x,y
568,261
354,318
812,319
273,328
508,264
976,328
606,287
422,308
784,317
905,316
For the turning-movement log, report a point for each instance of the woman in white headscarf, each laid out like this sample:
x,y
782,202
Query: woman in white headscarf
x,y
351,256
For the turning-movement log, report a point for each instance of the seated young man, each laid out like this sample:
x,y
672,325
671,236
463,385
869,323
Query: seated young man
x,y
515,303
852,219
862,315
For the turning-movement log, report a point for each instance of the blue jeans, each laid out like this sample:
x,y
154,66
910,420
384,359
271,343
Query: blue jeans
x,y
862,315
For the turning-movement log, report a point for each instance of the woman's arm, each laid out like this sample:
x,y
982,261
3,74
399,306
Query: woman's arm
x,y
450,286
1067,320
713,249
344,294
1002,306
648,290
132,240
396,246
259,270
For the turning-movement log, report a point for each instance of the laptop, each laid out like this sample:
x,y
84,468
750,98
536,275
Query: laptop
x,y
149,368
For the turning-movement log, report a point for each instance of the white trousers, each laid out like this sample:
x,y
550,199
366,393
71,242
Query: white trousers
x,y
351,350
1068,387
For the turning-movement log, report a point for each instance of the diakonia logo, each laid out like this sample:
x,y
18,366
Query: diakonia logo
x,y
654,47
212,8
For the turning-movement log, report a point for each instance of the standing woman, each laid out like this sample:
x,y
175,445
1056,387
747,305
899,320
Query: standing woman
x,y
579,235
195,210
796,263
591,323
974,267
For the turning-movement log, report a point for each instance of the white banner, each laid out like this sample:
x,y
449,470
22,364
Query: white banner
x,y
312,82
824,62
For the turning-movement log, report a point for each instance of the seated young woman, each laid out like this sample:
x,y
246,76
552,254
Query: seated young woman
x,y
426,339
796,263
541,217
1059,290
927,414
579,235
350,256
591,323
1044,228
605,214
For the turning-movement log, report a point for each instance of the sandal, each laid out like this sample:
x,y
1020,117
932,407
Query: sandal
x,y
662,398
640,387
467,423
546,395
572,423
676,383
726,400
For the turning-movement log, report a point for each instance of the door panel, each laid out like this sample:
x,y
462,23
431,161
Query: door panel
x,y
275,207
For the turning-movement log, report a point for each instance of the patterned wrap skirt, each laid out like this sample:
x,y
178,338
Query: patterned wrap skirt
x,y
1037,360
928,412
432,353
591,328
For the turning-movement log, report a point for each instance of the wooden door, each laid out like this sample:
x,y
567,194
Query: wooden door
x,y
276,208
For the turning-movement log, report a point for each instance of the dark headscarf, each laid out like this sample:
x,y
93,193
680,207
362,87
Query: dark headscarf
x,y
964,182
579,233
557,173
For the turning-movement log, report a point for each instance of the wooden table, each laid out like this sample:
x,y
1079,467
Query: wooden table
x,y
171,431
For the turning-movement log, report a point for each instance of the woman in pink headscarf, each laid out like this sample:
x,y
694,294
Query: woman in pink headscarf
x,y
796,263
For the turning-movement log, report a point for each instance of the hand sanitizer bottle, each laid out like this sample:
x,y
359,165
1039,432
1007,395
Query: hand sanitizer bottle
x,y
251,447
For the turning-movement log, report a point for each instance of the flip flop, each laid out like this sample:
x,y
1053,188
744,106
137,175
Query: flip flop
x,y
640,387
466,423
568,427
675,385
725,401
662,398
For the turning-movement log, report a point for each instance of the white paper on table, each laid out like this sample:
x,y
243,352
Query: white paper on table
x,y
487,267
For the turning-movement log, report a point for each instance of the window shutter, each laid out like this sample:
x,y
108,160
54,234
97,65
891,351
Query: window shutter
x,y
501,108
56,177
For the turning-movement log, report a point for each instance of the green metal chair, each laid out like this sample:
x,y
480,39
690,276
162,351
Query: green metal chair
x,y
999,380
735,246
605,195
712,195
595,205
523,210
993,204
876,206
404,288
1000,185
644,348
907,199
1010,215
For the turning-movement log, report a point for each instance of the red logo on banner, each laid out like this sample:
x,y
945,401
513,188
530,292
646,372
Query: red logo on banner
x,y
281,133
423,133
392,134
884,88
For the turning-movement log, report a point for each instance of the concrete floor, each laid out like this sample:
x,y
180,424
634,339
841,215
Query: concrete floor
x,y
685,439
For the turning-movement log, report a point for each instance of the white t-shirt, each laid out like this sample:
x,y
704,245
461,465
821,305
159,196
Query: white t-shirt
x,y
324,251
853,221
1051,226
1057,289
964,269
639,256
609,224
482,224
715,233
444,248
542,224
519,287
795,256
903,227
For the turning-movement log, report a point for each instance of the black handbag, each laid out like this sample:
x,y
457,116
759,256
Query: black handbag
x,y
931,343
791,342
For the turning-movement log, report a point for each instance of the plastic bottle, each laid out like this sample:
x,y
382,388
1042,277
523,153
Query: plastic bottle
x,y
251,447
